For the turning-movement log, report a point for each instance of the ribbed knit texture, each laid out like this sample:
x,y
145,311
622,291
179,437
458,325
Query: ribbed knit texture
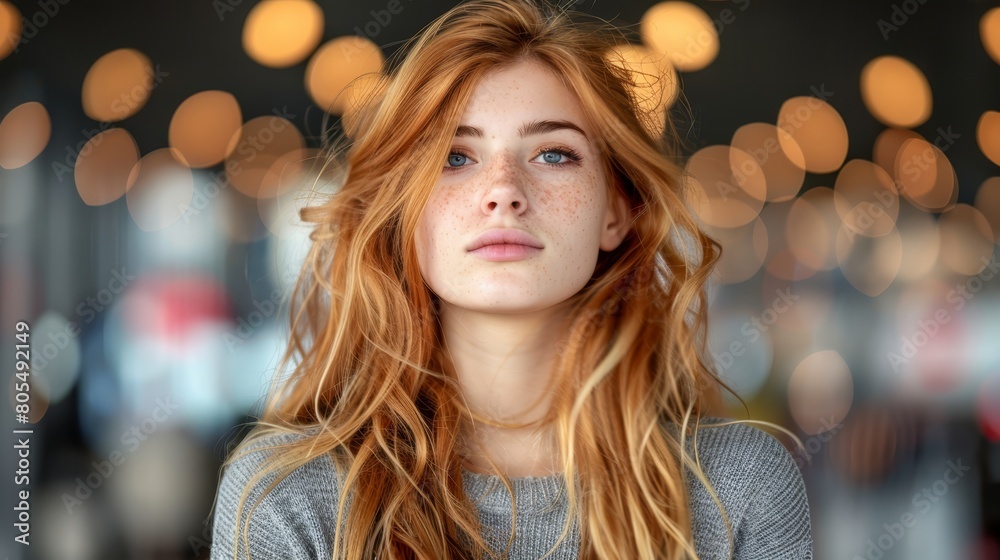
x,y
753,475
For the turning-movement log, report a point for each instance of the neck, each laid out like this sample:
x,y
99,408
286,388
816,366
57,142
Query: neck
x,y
503,363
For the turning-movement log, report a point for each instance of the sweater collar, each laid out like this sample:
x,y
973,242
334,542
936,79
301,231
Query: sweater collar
x,y
534,494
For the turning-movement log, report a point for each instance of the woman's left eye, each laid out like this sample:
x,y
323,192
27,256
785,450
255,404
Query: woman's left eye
x,y
457,159
559,156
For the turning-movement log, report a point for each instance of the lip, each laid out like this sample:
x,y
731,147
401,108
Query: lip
x,y
505,252
505,237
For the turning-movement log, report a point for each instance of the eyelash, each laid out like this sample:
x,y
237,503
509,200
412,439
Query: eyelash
x,y
572,155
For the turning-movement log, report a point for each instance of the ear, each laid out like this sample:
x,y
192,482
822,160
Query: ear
x,y
616,222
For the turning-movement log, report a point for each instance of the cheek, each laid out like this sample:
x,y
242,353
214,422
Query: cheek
x,y
575,202
424,237
444,202
435,226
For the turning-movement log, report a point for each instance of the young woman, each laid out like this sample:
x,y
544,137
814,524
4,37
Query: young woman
x,y
499,331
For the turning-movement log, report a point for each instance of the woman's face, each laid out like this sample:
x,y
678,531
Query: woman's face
x,y
523,160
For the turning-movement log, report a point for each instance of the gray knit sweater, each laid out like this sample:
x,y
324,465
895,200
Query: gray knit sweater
x,y
752,473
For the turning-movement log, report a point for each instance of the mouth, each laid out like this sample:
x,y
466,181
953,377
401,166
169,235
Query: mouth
x,y
504,237
503,252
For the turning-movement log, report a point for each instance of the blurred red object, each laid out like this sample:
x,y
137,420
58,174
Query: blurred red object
x,y
169,307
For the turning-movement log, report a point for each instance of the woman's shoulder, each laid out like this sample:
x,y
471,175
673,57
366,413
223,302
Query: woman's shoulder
x,y
291,517
731,440
759,484
738,458
258,451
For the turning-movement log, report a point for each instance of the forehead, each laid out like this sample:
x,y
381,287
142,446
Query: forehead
x,y
527,90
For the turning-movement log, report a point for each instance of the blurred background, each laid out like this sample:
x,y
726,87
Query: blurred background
x,y
153,156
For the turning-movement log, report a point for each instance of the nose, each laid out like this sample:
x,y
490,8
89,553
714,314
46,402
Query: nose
x,y
504,186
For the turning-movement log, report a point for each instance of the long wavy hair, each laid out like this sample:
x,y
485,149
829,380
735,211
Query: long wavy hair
x,y
371,385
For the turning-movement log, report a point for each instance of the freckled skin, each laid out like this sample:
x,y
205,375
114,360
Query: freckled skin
x,y
502,180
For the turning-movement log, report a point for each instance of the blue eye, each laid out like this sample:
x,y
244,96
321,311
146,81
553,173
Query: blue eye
x,y
558,154
554,157
456,159
551,157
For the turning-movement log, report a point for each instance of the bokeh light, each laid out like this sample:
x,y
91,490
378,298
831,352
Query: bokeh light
x,y
896,92
237,216
820,391
683,32
921,244
966,239
783,170
989,32
282,33
154,511
24,133
320,178
57,361
818,131
988,203
161,189
203,125
82,536
988,135
335,65
926,175
743,250
290,171
655,80
781,262
255,148
867,445
726,186
887,146
809,303
117,85
104,166
870,264
10,28
729,345
867,200
811,229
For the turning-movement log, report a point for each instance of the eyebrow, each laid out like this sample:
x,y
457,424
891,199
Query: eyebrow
x,y
528,129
